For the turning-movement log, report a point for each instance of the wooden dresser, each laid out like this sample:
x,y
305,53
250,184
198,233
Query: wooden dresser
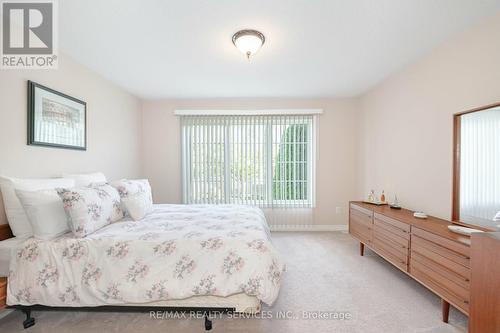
x,y
424,249
485,283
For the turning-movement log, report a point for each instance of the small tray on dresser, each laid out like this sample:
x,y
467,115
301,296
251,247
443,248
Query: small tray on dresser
x,y
376,203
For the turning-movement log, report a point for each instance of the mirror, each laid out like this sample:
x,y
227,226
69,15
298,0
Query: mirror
x,y
476,186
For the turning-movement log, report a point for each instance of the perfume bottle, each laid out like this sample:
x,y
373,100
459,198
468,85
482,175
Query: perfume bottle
x,y
382,197
395,204
371,197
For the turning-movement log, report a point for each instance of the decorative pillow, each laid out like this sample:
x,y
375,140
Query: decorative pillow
x,y
85,179
90,208
136,197
18,220
45,212
138,205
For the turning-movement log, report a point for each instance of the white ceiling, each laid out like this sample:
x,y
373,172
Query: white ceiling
x,y
314,48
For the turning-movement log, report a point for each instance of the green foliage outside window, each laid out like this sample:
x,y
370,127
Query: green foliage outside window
x,y
290,168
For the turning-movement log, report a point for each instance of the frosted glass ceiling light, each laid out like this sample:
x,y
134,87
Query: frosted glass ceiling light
x,y
248,41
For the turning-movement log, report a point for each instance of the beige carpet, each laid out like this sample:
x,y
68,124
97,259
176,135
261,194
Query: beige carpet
x,y
325,275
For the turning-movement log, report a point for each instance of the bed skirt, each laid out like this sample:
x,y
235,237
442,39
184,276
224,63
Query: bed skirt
x,y
241,303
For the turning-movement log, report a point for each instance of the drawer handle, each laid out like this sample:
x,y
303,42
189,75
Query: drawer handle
x,y
466,302
467,280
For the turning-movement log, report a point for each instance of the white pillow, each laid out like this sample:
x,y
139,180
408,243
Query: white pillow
x,y
17,218
138,205
85,179
90,208
45,212
136,196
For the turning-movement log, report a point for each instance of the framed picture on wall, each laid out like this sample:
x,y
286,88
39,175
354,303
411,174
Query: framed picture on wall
x,y
55,119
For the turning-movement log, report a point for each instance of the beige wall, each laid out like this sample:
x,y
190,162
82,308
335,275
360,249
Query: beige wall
x,y
406,129
397,137
336,167
113,125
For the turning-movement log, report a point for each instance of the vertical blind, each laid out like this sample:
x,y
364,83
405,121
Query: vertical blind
x,y
262,160
480,165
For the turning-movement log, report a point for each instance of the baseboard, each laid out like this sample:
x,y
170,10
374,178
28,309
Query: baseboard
x,y
313,227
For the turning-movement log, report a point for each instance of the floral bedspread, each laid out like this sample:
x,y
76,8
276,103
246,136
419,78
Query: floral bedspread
x,y
175,252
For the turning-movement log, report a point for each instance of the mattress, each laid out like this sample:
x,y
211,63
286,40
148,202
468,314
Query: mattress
x,y
177,252
6,247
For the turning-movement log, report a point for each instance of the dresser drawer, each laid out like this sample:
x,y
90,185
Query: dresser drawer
x,y
451,247
453,266
360,231
360,223
395,234
395,224
381,249
362,210
360,217
442,270
453,288
444,252
453,293
396,250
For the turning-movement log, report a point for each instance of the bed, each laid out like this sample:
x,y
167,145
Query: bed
x,y
195,256
6,248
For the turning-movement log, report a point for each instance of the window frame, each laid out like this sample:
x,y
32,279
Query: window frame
x,y
269,201
455,212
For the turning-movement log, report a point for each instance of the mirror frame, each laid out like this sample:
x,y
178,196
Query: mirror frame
x,y
455,213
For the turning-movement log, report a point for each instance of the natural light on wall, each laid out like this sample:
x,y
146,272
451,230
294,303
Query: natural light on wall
x,y
262,160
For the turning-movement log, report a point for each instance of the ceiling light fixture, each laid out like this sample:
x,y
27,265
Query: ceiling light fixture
x,y
248,41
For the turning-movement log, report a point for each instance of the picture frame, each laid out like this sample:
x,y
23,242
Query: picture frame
x,y
55,119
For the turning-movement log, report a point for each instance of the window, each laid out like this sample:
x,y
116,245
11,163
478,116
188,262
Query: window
x,y
477,167
264,160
